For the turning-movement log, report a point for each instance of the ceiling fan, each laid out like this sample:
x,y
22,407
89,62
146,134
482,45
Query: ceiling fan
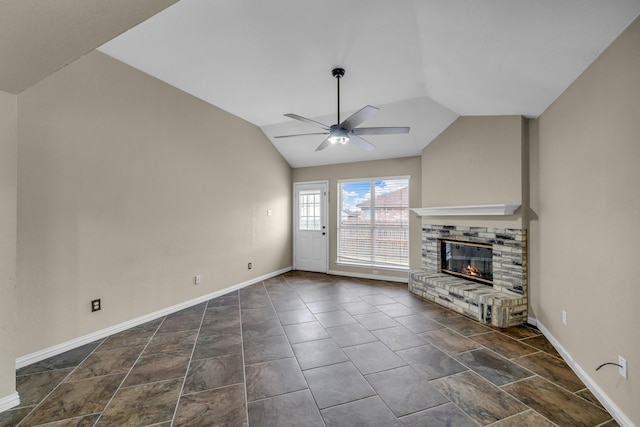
x,y
347,131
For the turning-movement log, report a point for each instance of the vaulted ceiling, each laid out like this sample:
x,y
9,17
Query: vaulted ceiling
x,y
422,62
39,37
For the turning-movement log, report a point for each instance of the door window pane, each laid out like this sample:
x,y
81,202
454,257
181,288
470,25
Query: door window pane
x,y
309,210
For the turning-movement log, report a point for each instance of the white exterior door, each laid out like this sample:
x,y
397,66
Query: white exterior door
x,y
311,230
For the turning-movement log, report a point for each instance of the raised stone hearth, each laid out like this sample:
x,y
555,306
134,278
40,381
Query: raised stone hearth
x,y
504,304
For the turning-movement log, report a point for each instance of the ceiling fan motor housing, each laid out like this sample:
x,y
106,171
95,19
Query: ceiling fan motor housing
x,y
337,72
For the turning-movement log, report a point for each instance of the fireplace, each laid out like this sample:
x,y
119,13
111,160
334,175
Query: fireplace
x,y
502,304
472,261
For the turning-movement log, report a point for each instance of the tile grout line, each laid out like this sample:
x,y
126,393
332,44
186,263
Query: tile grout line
x,y
519,413
363,375
520,401
447,376
547,380
451,356
186,373
129,371
244,366
501,386
294,353
37,405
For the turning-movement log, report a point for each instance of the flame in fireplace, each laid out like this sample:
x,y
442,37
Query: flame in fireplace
x,y
471,271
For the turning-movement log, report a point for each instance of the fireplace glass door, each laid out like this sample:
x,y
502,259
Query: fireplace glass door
x,y
472,261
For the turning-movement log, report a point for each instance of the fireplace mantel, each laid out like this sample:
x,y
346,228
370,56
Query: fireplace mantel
x,y
474,210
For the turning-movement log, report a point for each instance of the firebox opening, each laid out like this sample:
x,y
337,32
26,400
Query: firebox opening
x,y
472,261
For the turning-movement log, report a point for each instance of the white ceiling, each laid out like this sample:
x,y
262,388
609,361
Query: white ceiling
x,y
422,62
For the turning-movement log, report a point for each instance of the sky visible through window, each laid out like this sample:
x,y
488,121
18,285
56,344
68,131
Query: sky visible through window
x,y
354,193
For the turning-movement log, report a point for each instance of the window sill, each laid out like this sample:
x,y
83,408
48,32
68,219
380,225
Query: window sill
x,y
373,266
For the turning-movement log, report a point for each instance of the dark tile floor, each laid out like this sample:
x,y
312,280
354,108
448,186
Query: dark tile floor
x,y
305,349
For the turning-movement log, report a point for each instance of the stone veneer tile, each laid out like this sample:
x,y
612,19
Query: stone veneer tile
x,y
504,304
509,248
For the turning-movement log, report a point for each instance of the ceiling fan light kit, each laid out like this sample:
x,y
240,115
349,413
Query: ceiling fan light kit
x,y
347,131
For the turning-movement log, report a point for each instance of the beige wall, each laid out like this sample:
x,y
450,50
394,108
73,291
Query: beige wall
x,y
128,188
585,164
478,160
408,166
8,190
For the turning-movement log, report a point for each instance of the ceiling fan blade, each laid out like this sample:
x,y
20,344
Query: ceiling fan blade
x,y
362,143
358,117
301,134
304,119
324,144
380,131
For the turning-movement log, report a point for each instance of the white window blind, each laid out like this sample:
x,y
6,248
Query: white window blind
x,y
373,226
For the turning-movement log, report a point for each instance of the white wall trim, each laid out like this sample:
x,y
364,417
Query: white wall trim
x,y
606,401
370,276
37,356
9,401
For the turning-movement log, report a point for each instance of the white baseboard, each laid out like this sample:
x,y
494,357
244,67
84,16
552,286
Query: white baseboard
x,y
370,276
602,397
532,321
9,401
28,359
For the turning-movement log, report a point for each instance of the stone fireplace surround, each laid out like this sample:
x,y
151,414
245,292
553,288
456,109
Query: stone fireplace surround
x,y
504,304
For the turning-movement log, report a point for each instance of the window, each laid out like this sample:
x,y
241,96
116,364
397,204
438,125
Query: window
x,y
373,226
309,209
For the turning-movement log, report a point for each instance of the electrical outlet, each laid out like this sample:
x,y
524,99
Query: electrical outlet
x,y
564,317
376,272
622,369
95,305
249,266
197,279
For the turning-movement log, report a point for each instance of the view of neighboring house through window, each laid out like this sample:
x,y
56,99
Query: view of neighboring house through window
x,y
373,226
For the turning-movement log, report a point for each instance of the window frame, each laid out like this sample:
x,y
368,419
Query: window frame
x,y
372,226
